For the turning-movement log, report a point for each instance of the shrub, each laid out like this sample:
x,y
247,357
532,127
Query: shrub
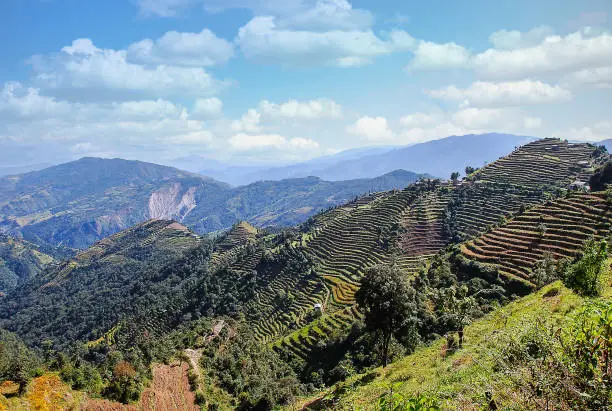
x,y
585,275
392,401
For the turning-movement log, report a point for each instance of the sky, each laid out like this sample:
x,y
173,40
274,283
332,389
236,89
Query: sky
x,y
279,81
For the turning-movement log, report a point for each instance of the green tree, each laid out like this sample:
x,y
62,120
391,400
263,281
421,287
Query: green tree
x,y
454,176
17,362
388,301
469,170
456,307
584,276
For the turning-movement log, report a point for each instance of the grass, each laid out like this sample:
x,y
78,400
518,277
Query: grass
x,y
461,378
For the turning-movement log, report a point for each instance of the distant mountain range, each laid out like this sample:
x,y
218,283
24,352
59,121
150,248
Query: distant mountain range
x,y
77,203
438,158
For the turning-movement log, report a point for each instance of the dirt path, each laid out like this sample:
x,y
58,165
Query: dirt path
x,y
194,360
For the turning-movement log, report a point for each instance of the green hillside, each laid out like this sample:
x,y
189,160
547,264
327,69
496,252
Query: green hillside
x,y
111,280
461,379
19,261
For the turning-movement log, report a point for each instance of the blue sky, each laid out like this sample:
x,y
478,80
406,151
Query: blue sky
x,y
271,81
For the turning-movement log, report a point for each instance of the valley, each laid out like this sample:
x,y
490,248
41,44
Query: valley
x,y
296,331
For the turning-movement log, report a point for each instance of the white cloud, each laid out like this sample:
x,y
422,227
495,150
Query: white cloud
x,y
421,134
81,46
82,66
419,120
207,108
600,77
326,14
522,55
474,118
490,119
262,40
514,39
148,109
555,54
421,127
249,142
20,102
191,138
503,94
372,128
601,130
431,56
532,122
293,109
297,14
182,49
250,122
171,8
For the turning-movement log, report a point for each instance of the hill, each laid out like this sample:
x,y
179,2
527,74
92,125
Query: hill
x,y
78,203
287,202
157,288
19,261
438,158
471,377
117,276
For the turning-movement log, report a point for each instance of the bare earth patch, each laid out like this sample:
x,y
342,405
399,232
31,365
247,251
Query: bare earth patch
x,y
169,390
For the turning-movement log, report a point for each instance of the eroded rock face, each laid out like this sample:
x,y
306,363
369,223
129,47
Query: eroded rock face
x,y
168,203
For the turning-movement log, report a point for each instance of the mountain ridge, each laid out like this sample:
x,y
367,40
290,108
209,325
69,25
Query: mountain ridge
x,y
78,203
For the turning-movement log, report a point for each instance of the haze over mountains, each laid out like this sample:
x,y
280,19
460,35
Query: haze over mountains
x,y
438,158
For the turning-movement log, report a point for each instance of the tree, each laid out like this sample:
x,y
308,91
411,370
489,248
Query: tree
x,y
584,276
601,178
469,170
546,270
454,176
457,308
388,301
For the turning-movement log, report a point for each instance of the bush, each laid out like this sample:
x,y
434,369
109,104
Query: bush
x,y
562,369
585,275
392,401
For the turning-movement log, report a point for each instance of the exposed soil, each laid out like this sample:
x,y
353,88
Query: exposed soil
x,y
169,390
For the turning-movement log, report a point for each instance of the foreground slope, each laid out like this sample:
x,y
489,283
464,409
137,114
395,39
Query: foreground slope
x,y
411,225
461,378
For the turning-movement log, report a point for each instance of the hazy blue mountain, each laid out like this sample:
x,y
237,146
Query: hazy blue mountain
x,y
438,158
607,143
241,175
77,203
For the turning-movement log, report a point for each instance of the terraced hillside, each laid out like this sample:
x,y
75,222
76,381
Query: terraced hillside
x,y
411,225
559,227
545,162
342,244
